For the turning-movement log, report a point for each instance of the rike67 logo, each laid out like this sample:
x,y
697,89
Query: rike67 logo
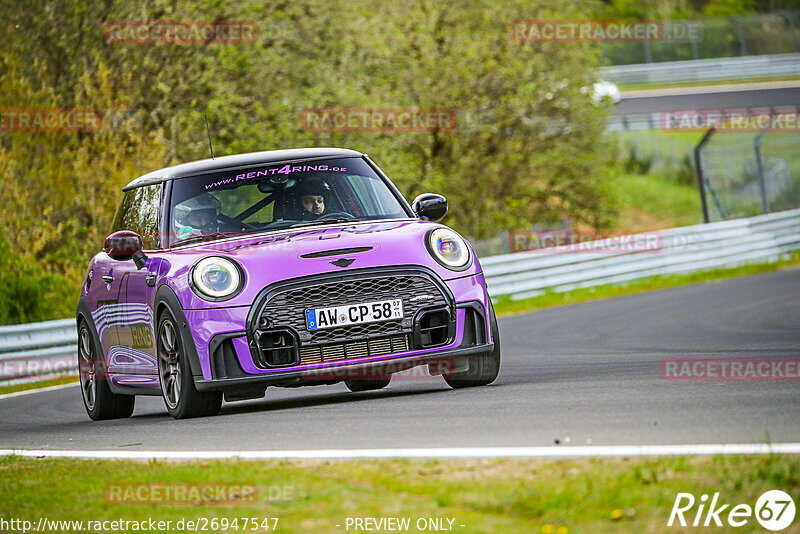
x,y
774,511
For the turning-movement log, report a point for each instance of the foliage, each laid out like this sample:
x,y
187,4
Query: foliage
x,y
671,9
528,142
26,290
64,188
528,147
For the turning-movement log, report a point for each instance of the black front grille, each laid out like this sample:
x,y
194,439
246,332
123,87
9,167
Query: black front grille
x,y
345,292
353,349
284,306
358,331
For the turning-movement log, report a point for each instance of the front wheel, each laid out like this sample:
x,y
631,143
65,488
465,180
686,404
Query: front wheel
x,y
100,402
483,368
174,372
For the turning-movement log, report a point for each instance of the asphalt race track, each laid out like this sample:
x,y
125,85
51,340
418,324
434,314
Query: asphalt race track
x,y
574,375
761,95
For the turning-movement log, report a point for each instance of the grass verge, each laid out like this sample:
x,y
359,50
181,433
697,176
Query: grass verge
x,y
704,83
36,385
504,495
652,202
506,306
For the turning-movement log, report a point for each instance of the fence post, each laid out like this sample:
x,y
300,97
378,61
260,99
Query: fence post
x,y
762,186
699,167
742,36
789,16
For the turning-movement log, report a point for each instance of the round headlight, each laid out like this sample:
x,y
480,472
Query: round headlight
x,y
448,248
216,278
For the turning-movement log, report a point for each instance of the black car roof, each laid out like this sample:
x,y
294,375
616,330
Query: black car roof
x,y
194,168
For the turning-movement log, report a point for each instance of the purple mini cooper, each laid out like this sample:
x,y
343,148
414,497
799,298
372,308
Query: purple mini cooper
x,y
283,268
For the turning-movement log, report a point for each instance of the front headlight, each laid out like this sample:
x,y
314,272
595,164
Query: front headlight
x,y
449,249
216,278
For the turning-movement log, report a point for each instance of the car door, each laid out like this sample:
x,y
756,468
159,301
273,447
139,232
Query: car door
x,y
137,328
104,294
135,356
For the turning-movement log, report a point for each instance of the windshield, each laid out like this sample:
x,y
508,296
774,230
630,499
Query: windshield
x,y
278,196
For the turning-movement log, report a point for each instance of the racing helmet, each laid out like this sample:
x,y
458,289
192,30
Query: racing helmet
x,y
313,187
196,216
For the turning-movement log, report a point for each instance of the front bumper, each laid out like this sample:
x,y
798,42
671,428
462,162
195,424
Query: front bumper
x,y
228,353
372,368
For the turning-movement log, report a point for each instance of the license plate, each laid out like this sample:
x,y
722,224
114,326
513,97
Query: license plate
x,y
350,314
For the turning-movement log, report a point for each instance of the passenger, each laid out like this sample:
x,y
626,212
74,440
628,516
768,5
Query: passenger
x,y
196,216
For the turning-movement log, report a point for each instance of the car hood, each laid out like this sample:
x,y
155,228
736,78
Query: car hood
x,y
272,257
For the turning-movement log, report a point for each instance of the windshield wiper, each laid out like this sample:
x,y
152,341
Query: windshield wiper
x,y
332,220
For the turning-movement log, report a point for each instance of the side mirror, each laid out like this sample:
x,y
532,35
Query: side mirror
x,y
429,206
125,245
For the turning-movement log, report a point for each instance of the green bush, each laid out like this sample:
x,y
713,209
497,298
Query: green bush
x,y
28,293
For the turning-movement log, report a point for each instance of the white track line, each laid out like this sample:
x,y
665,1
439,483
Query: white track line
x,y
37,390
581,451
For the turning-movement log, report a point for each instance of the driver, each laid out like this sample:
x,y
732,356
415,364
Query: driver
x,y
312,199
196,216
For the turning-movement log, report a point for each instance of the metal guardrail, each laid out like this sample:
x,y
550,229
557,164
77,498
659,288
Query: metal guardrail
x,y
656,120
764,238
702,70
38,351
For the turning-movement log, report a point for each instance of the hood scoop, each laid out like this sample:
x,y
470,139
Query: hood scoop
x,y
336,252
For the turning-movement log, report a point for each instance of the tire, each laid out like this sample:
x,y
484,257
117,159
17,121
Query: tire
x,y
100,403
367,385
175,375
483,368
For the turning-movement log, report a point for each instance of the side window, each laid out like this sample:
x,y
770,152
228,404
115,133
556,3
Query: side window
x,y
139,212
364,192
122,216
